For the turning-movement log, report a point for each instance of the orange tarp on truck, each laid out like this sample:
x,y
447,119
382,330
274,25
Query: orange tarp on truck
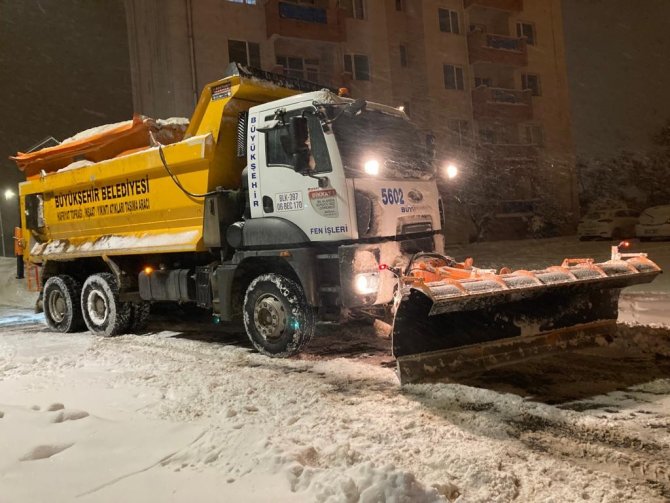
x,y
96,147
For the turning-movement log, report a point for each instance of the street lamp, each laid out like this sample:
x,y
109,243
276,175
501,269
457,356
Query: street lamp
x,y
9,194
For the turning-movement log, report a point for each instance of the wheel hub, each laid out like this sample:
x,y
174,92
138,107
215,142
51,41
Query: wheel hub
x,y
269,317
57,306
96,305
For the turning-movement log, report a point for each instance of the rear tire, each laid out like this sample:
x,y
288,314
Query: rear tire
x,y
102,310
61,304
277,317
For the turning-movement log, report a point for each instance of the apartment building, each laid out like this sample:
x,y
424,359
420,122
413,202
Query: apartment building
x,y
486,78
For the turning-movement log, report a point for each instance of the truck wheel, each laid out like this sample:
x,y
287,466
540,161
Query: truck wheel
x,y
139,316
277,317
61,304
103,313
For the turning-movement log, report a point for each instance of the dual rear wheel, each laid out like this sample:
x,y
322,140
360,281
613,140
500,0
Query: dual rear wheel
x,y
70,306
277,317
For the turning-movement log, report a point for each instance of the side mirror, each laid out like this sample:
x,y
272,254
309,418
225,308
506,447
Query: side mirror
x,y
353,109
299,135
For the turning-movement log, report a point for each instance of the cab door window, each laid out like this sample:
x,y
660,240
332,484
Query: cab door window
x,y
277,143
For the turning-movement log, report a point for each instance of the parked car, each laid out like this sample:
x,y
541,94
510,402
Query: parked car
x,y
608,224
654,223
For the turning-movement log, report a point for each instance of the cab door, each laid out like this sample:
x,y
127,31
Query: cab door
x,y
322,212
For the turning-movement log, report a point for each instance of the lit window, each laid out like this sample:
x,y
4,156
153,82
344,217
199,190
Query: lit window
x,y
245,53
449,21
526,30
453,77
358,66
248,2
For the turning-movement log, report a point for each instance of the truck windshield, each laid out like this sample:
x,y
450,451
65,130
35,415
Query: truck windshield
x,y
376,143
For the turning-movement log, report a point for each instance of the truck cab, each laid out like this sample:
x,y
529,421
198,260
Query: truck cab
x,y
359,188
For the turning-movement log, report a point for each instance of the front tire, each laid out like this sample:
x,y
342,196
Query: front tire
x,y
61,304
277,317
103,312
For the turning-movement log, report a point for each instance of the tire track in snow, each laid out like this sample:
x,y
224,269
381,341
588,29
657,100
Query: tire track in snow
x,y
603,449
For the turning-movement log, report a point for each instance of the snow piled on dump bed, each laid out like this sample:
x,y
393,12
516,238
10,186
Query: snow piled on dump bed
x,y
96,130
173,121
116,243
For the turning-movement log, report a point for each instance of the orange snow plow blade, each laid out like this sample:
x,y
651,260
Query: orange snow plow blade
x,y
454,319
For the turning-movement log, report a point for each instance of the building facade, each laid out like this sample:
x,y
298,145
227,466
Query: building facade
x,y
486,78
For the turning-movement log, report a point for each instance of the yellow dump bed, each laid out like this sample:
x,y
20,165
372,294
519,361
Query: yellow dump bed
x,y
130,204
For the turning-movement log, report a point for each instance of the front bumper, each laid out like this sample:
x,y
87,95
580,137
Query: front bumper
x,y
364,260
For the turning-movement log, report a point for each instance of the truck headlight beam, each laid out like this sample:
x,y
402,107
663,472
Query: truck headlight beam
x,y
366,283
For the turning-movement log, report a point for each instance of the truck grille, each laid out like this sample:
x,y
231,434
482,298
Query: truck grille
x,y
422,243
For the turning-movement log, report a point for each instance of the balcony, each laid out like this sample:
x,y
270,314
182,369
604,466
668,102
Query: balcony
x,y
288,19
506,5
499,49
497,103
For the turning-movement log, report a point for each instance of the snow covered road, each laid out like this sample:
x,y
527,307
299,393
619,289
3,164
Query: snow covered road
x,y
188,413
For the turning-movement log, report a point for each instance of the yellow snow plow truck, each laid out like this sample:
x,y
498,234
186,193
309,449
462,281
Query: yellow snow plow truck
x,y
282,204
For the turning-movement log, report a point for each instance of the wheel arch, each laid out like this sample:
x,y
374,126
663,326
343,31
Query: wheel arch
x,y
298,266
79,268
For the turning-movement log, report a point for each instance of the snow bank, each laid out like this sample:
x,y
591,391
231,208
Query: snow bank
x,y
82,421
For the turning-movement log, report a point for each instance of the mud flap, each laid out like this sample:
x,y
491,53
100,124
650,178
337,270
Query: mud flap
x,y
435,336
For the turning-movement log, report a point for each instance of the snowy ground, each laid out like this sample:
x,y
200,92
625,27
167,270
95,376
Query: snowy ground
x,y
190,413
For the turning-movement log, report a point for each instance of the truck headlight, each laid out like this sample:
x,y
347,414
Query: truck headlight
x,y
366,283
371,167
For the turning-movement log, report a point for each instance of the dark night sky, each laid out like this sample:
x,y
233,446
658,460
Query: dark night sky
x,y
618,57
64,67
